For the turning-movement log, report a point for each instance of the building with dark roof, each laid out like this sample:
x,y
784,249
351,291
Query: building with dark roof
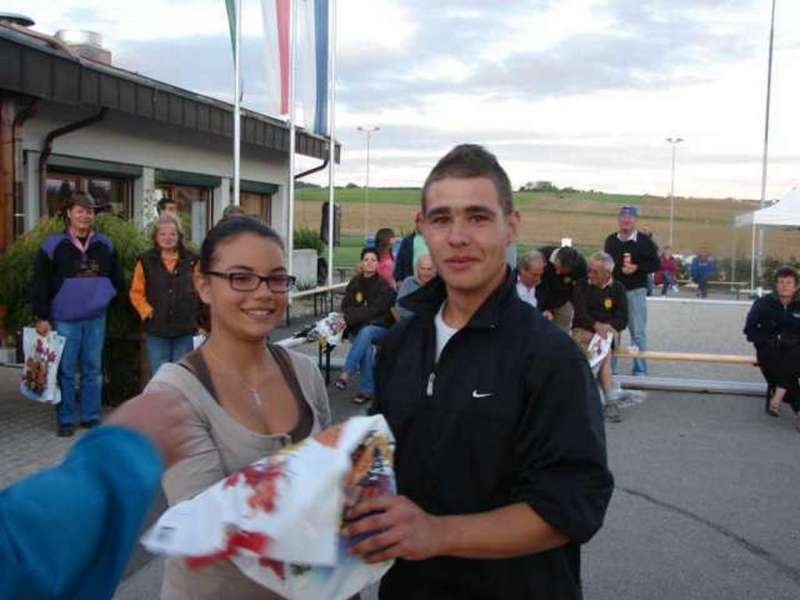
x,y
71,120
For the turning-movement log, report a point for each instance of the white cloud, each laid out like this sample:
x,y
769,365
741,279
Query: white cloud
x,y
611,139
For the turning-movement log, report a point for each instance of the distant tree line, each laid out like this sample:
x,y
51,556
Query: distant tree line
x,y
547,186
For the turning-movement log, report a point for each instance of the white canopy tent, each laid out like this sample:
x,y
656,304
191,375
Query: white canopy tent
x,y
784,213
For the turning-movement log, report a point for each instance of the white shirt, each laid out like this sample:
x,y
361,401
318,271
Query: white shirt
x,y
633,237
527,294
443,331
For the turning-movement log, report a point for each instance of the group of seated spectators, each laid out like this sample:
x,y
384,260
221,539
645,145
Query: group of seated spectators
x,y
583,300
371,302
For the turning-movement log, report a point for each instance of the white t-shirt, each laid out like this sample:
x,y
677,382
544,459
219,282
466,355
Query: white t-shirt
x,y
443,331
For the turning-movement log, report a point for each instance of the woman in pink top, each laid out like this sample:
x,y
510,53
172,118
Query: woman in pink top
x,y
384,241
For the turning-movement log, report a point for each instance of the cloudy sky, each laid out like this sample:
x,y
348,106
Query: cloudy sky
x,y
579,92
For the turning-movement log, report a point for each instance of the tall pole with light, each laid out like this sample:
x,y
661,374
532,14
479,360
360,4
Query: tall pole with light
x,y
674,141
369,131
756,258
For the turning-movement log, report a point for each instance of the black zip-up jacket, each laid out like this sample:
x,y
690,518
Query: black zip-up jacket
x,y
768,319
367,301
644,254
509,414
404,262
557,289
171,294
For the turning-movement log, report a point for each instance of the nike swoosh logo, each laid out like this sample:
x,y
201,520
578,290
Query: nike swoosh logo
x,y
475,394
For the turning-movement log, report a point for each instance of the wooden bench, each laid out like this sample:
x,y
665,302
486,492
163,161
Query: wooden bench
x,y
736,287
680,384
728,359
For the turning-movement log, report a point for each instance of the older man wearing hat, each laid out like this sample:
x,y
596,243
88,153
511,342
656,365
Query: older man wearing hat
x,y
635,257
75,277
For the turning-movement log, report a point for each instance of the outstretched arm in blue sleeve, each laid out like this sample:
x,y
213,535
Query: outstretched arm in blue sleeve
x,y
68,532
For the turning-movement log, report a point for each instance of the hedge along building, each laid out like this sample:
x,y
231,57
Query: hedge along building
x,y
70,120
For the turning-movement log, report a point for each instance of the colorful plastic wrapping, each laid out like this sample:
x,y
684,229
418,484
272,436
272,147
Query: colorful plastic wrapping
x,y
279,519
40,374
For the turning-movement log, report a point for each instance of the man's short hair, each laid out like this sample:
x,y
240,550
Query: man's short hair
x,y
787,271
369,250
568,257
233,210
605,259
420,257
527,259
472,160
162,204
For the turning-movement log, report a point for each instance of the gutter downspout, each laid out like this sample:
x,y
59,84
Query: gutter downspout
x,y
311,171
47,150
18,198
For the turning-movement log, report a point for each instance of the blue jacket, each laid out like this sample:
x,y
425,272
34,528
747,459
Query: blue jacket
x,y
68,532
703,270
69,285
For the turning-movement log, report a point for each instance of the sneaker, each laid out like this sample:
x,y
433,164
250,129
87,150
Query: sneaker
x,y
90,424
612,412
66,431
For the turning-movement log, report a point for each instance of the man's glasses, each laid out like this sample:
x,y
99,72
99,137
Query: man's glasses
x,y
249,282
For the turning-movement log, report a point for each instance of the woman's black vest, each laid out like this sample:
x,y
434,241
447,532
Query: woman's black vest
x,y
171,295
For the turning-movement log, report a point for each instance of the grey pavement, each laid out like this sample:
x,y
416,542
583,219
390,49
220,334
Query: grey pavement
x,y
706,503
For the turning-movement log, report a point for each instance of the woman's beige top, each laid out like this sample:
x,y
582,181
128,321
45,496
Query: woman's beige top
x,y
218,446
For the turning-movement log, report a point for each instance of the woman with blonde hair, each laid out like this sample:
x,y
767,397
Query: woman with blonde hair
x,y
162,292
248,398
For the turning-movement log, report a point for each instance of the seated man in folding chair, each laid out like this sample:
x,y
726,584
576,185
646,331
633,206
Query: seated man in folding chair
x,y
601,308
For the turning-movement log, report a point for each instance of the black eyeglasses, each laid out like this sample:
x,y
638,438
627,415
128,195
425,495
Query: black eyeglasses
x,y
241,281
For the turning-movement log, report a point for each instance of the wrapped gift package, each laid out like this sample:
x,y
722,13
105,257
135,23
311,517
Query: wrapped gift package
x,y
279,519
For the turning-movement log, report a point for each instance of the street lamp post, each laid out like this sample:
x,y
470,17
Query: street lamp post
x,y
369,131
674,141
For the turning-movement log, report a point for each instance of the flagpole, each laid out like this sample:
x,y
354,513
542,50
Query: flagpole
x,y
292,65
237,108
756,257
331,125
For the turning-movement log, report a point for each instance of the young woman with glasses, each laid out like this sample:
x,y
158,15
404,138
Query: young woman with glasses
x,y
248,398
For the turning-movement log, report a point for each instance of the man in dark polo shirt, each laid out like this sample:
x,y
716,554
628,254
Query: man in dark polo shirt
x,y
500,457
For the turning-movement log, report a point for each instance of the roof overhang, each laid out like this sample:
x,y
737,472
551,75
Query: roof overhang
x,y
30,66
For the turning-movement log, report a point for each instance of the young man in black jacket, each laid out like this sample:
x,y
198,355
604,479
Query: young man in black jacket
x,y
635,257
500,459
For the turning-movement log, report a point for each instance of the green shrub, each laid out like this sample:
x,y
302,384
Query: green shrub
x,y
16,272
306,237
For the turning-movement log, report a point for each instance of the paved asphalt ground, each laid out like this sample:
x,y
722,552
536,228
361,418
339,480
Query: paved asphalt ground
x,y
707,502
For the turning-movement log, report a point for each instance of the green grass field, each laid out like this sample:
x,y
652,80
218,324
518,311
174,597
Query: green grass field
x,y
547,217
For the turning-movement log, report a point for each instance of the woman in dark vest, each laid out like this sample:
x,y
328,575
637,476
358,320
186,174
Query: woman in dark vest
x,y
163,294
